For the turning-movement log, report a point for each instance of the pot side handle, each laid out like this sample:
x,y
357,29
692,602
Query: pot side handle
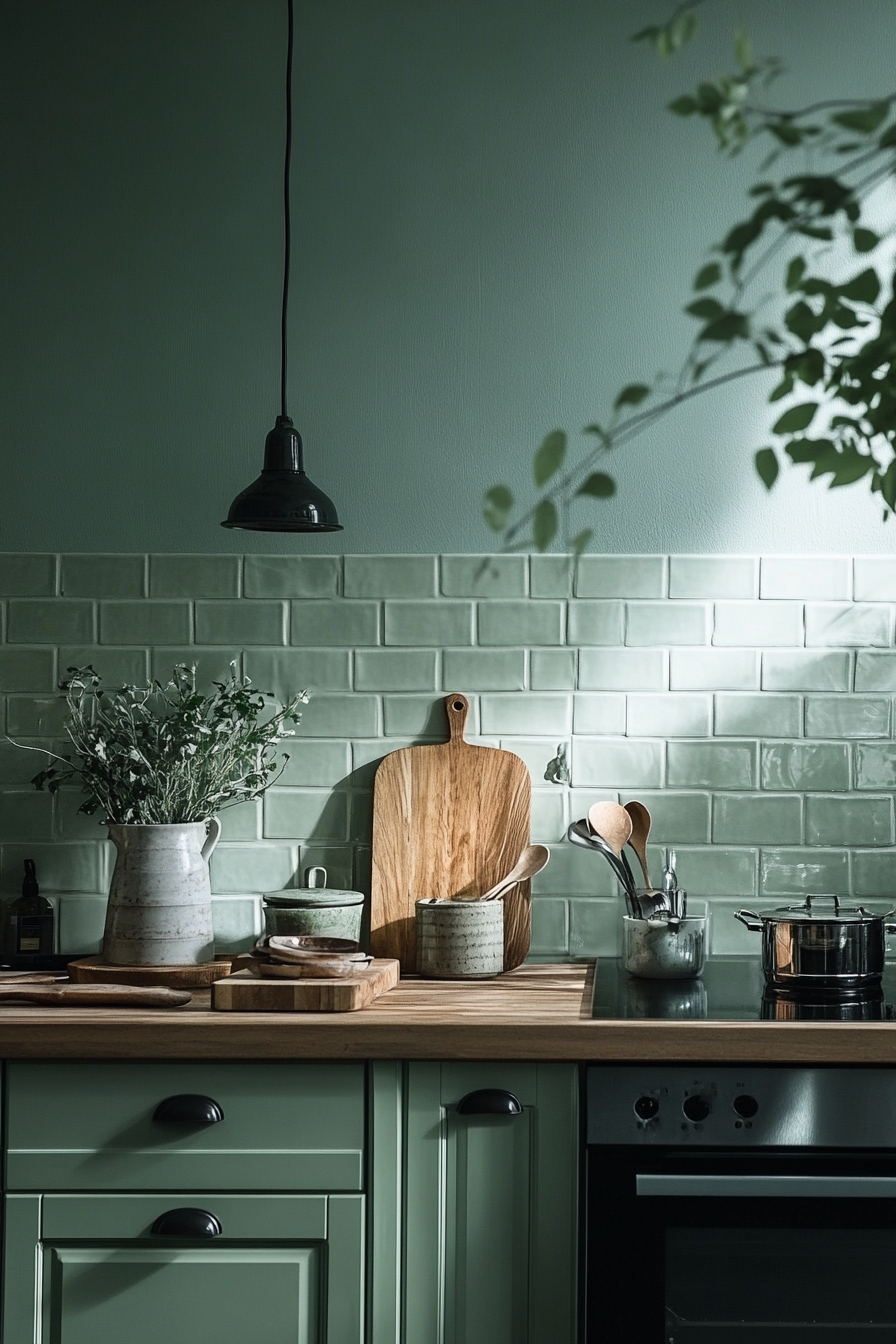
x,y
213,827
749,919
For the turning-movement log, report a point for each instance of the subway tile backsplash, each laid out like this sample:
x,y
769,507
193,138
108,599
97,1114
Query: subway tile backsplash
x,y
748,701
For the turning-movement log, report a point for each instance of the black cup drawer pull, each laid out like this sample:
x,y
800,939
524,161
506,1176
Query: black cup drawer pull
x,y
188,1108
489,1101
186,1223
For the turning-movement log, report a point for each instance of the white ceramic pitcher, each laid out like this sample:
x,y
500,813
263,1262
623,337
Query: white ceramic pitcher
x,y
160,901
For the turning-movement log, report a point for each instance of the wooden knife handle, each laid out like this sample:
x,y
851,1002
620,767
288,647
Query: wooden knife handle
x,y
98,996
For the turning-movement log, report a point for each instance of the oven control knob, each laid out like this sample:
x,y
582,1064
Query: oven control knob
x,y
745,1106
696,1108
646,1108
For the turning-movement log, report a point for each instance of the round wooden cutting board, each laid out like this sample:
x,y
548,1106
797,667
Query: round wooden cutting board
x,y
95,971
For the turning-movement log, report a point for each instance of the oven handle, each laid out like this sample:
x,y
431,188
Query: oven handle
x,y
767,1187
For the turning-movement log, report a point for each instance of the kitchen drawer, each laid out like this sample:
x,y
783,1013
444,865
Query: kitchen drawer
x,y
90,1127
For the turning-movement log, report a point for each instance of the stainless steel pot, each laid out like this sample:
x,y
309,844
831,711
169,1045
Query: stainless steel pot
x,y
821,943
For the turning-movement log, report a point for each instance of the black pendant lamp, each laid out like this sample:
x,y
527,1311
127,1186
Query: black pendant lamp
x,y
282,499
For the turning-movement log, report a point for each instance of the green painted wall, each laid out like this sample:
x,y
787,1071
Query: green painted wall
x,y
496,223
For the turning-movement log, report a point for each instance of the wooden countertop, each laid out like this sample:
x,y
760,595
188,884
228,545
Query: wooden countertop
x,y
540,1012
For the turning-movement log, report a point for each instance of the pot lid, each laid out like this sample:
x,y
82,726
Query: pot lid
x,y
826,909
315,892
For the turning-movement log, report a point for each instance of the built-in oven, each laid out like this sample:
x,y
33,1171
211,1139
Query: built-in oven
x,y
728,1205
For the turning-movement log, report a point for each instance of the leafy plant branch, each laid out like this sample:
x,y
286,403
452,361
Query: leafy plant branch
x,y
834,337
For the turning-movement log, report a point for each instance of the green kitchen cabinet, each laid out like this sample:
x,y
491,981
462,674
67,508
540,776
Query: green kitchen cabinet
x,y
489,1239
87,1269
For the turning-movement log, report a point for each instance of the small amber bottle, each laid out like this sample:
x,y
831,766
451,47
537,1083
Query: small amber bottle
x,y
29,921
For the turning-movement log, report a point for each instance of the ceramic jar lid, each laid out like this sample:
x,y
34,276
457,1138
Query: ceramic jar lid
x,y
314,893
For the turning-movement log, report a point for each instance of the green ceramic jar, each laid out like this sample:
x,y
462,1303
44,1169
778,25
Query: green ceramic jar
x,y
316,909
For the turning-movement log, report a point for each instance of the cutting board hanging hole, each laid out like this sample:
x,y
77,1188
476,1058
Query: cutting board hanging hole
x,y
457,707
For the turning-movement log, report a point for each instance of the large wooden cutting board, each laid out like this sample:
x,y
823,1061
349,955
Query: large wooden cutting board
x,y
447,819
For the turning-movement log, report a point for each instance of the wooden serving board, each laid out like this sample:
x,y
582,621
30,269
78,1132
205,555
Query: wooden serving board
x,y
247,993
93,970
447,819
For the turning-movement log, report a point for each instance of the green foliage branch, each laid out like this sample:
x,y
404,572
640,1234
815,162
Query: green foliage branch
x,y
832,343
165,753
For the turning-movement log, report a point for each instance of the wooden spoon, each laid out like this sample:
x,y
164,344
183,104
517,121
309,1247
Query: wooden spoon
x,y
530,862
612,822
640,831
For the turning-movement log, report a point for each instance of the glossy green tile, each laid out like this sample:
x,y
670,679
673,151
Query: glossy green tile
x,y
521,623
103,576
659,624
572,871
595,928
805,766
193,576
211,664
71,822
550,715
757,819
242,622
849,821
395,670
727,936
414,716
145,623
291,576
50,621
875,765
361,817
755,715
669,715
553,669
390,576
713,871
242,822
848,624
536,753
551,575
599,715
340,624
623,670
25,814
675,819
117,667
784,576
872,872
80,866
19,763
366,756
484,575
483,669
36,716
284,672
318,814
31,670
237,922
846,716
595,622
758,624
316,761
434,624
804,671
714,670
27,575
875,671
612,764
341,716
711,765
82,919
803,872
550,934
713,576
250,868
621,576
874,578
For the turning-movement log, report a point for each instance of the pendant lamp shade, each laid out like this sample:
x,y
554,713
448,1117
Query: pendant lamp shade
x,y
282,498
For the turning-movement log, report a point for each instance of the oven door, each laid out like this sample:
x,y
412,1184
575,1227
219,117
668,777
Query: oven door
x,y
721,1247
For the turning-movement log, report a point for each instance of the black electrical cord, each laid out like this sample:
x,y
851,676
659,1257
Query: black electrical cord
x,y
287,227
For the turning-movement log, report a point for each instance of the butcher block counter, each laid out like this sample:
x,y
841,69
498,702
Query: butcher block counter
x,y
537,1013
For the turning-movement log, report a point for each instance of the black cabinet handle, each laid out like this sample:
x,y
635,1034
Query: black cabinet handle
x,y
186,1223
188,1108
489,1101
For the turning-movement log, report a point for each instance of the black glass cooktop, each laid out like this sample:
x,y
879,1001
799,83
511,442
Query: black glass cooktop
x,y
733,989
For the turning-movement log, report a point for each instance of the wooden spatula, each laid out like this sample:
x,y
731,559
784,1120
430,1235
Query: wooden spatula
x,y
96,996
